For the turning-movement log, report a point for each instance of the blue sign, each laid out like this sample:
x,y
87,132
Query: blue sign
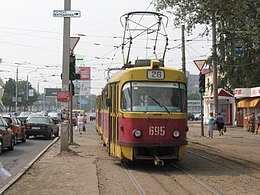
x,y
239,44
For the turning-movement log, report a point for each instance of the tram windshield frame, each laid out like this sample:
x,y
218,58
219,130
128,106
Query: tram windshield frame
x,y
147,96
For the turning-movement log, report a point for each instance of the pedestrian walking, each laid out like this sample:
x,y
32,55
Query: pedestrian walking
x,y
220,123
211,124
252,123
258,123
80,123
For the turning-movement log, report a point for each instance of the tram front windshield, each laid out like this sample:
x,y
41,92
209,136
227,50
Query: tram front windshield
x,y
154,97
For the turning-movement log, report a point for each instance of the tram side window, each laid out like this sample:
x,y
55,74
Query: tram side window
x,y
126,97
183,97
175,98
178,97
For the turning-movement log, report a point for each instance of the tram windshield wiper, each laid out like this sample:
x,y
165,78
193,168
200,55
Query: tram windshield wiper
x,y
162,106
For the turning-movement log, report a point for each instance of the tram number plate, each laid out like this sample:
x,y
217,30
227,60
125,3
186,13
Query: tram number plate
x,y
157,131
155,74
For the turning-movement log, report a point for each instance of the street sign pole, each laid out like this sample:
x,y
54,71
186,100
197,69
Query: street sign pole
x,y
202,114
67,13
65,62
200,64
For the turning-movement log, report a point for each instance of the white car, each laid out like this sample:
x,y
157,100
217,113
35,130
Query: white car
x,y
197,116
92,116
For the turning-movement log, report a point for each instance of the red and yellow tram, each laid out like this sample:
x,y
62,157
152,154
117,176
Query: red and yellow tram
x,y
142,113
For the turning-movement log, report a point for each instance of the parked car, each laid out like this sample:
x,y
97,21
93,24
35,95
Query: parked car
x,y
56,116
23,116
190,116
34,114
197,116
41,125
6,136
92,116
17,126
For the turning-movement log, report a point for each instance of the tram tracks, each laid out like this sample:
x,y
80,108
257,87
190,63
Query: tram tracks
x,y
205,172
227,166
168,180
201,182
133,180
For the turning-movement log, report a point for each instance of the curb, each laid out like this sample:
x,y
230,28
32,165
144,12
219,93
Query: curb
x,y
17,176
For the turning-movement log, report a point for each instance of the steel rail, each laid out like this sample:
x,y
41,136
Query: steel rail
x,y
202,183
134,181
222,164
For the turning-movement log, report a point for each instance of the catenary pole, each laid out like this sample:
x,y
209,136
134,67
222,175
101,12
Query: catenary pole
x,y
65,67
183,49
16,90
214,63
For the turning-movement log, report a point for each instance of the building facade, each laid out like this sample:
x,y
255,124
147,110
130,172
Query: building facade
x,y
248,103
226,101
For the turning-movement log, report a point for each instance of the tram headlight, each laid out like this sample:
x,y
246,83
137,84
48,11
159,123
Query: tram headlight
x,y
176,134
137,133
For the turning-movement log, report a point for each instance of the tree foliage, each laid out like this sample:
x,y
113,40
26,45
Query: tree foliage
x,y
237,20
10,94
194,96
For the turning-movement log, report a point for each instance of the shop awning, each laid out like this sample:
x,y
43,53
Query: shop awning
x,y
255,103
249,103
243,104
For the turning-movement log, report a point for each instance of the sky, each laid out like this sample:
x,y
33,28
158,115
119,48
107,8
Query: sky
x,y
31,40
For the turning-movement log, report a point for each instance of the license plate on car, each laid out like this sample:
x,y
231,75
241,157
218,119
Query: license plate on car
x,y
36,127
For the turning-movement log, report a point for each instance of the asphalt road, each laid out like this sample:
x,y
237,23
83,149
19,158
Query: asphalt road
x,y
23,153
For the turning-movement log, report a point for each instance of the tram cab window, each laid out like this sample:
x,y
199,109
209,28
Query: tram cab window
x,y
126,97
154,97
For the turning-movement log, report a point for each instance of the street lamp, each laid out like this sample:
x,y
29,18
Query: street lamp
x,y
27,88
38,85
16,86
38,89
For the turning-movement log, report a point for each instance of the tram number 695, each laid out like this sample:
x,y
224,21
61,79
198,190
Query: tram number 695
x,y
157,130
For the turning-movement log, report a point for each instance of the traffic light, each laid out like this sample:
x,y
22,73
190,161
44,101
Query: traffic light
x,y
72,73
202,83
72,67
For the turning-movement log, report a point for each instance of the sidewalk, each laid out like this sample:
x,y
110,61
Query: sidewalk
x,y
69,173
236,141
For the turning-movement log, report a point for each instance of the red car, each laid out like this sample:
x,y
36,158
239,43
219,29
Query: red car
x,y
18,128
6,136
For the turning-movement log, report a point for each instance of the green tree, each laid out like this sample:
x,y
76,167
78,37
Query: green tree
x,y
10,93
194,96
236,20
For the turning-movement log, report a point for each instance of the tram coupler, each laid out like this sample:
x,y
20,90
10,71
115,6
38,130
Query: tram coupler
x,y
158,162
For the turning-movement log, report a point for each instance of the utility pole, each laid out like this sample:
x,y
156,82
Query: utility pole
x,y
65,71
16,90
183,49
27,93
66,48
214,63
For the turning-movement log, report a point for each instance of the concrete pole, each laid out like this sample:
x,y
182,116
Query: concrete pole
x,y
65,69
27,94
183,49
16,90
66,48
214,63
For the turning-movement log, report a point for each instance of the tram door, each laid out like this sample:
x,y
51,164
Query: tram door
x,y
113,118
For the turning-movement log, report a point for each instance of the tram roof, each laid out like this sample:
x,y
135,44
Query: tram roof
x,y
139,73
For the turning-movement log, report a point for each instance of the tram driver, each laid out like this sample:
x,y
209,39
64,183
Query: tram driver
x,y
165,98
